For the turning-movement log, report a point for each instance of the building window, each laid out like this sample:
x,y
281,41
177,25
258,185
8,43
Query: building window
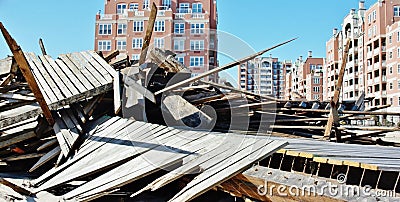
x,y
197,45
391,101
133,6
146,4
374,30
369,32
121,29
390,38
197,28
316,80
159,26
196,61
166,4
136,57
374,15
104,45
138,26
398,68
121,45
398,85
179,28
180,59
316,89
105,29
197,8
179,45
396,10
212,60
398,36
390,54
390,70
137,43
121,8
398,52
183,8
390,86
159,43
316,97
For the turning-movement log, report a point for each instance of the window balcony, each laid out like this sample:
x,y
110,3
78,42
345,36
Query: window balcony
x,y
161,13
384,63
377,80
106,17
384,94
139,13
370,68
198,15
370,81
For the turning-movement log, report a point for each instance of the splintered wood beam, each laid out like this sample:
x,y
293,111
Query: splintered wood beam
x,y
42,47
149,32
333,115
15,187
25,69
218,69
112,55
237,90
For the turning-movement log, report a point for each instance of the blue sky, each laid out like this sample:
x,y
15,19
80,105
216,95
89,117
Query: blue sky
x,y
259,23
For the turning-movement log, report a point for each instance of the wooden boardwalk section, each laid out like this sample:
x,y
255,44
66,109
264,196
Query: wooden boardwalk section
x,y
135,150
66,80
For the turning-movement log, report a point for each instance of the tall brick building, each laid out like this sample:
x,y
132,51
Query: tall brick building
x,y
187,27
373,63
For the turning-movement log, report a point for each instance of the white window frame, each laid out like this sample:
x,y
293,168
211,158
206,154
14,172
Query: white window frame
x,y
197,28
137,43
317,80
138,26
398,68
179,28
179,44
184,8
121,29
398,52
146,4
133,6
104,45
159,43
121,8
396,11
121,45
197,45
167,3
316,89
135,57
197,61
159,26
180,59
197,8
105,29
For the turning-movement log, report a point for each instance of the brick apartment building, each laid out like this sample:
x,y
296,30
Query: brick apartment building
x,y
187,27
264,75
306,79
373,63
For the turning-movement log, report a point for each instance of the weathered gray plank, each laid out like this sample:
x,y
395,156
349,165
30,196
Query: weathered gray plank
x,y
93,77
77,72
63,77
67,70
46,158
59,83
103,63
96,65
227,168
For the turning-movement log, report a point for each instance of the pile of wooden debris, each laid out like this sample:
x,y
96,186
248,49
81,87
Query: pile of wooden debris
x,y
84,127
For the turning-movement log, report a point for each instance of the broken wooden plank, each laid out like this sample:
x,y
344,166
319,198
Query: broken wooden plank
x,y
12,73
25,69
218,69
42,48
149,33
46,158
17,139
179,108
333,120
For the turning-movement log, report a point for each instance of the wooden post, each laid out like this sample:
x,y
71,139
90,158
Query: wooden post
x,y
42,47
218,69
333,115
149,32
25,69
